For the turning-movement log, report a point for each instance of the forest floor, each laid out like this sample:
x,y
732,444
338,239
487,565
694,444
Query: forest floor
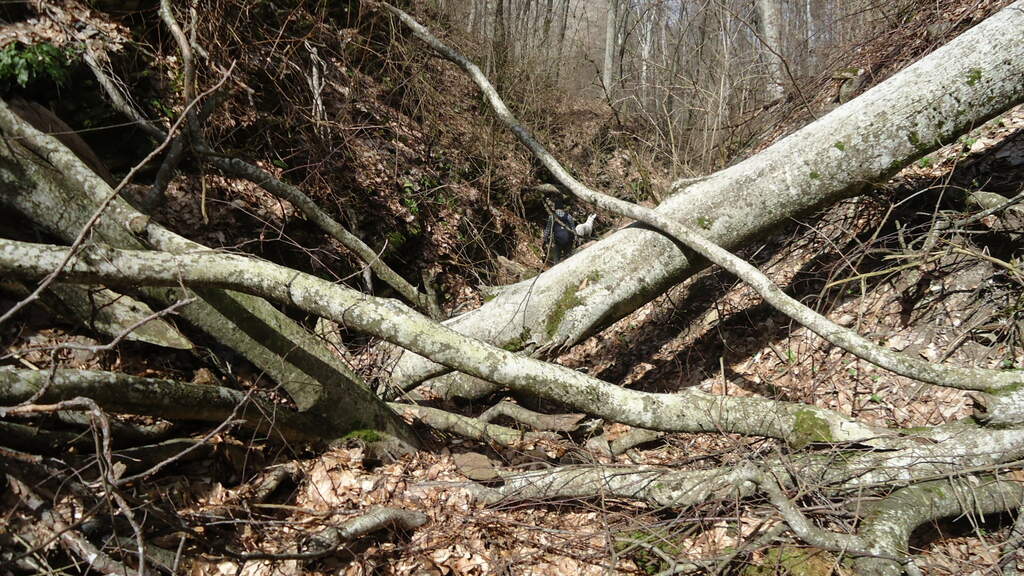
x,y
435,184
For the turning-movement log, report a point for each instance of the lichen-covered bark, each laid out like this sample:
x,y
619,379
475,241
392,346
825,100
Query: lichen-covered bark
x,y
118,315
944,451
661,487
107,312
536,420
960,85
467,426
1001,408
769,22
45,182
689,411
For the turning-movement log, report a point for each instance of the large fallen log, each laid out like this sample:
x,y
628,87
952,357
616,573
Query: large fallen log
x,y
959,86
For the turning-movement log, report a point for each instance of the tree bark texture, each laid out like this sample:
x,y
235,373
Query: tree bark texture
x,y
126,394
609,47
769,16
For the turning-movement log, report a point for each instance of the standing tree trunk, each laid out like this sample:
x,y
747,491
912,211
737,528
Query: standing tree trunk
x,y
561,37
545,44
609,47
646,22
811,41
769,15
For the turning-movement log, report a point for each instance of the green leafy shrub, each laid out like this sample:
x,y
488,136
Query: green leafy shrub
x,y
23,64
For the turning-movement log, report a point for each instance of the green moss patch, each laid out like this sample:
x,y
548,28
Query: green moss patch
x,y
567,301
519,342
973,76
792,561
808,427
365,434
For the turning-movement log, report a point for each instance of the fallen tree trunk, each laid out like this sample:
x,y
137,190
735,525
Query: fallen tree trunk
x,y
163,398
687,411
891,522
940,452
106,312
240,169
970,80
849,340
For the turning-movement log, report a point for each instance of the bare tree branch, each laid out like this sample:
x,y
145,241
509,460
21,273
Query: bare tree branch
x,y
466,426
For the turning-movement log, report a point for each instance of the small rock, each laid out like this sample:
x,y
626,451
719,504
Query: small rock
x,y
599,445
476,466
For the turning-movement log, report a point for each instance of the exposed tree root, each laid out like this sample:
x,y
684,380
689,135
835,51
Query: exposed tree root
x,y
536,420
891,521
469,427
